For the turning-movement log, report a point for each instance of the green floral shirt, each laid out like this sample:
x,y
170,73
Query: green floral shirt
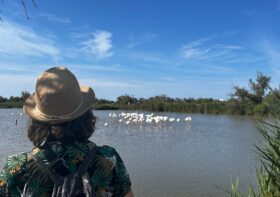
x,y
107,171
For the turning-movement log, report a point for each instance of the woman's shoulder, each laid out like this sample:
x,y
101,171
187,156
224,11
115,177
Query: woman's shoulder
x,y
107,155
106,151
110,167
14,166
16,162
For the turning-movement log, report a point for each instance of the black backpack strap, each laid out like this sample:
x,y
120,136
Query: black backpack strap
x,y
83,168
56,178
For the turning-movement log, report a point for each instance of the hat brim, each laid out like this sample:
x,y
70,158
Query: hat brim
x,y
30,109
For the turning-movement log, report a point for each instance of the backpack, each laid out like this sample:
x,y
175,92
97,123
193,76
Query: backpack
x,y
75,184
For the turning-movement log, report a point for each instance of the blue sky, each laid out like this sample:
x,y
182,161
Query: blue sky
x,y
181,48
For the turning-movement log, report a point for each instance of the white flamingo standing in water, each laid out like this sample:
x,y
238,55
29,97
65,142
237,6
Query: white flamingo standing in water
x,y
188,119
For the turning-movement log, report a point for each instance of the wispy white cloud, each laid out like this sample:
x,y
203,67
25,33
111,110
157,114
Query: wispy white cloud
x,y
148,57
219,69
94,67
139,39
224,46
200,41
16,40
21,68
203,49
55,19
99,45
79,35
37,68
105,83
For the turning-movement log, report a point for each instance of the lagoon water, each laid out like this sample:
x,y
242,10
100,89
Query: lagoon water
x,y
173,159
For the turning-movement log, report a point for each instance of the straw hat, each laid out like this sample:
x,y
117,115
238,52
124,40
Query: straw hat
x,y
58,98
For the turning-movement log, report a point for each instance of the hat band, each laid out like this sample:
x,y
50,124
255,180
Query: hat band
x,y
62,116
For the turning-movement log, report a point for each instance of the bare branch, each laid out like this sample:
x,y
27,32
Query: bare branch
x,y
22,2
34,3
1,12
25,10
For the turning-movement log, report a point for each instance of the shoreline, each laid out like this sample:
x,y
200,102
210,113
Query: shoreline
x,y
116,107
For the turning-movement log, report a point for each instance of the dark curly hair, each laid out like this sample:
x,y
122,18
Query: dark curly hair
x,y
78,130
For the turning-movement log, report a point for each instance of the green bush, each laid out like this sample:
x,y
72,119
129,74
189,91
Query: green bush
x,y
261,109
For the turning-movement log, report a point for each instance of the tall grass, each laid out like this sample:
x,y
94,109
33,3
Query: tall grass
x,y
268,174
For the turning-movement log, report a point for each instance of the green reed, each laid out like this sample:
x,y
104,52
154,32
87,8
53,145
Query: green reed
x,y
268,175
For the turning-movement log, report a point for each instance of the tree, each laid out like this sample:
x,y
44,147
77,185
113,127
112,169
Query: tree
x,y
2,99
240,93
15,99
25,95
259,87
257,90
126,100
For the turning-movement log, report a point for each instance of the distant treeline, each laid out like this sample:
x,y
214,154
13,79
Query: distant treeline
x,y
259,99
14,101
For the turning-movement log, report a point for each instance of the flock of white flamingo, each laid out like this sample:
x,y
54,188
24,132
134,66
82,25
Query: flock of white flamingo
x,y
18,113
134,117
